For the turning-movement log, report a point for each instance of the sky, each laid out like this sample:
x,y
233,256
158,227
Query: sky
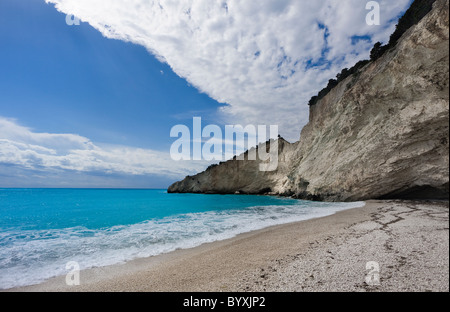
x,y
92,105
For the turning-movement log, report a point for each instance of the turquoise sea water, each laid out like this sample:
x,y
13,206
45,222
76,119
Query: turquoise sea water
x,y
41,230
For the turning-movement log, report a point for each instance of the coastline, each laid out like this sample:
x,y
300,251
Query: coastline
x,y
409,240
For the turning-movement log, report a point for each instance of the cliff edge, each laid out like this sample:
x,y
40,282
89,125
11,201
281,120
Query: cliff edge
x,y
383,132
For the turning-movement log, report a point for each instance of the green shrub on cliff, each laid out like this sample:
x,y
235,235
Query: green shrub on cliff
x,y
417,11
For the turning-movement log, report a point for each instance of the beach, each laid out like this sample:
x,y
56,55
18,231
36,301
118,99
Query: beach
x,y
408,241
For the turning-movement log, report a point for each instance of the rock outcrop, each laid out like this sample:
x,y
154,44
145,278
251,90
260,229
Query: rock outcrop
x,y
381,133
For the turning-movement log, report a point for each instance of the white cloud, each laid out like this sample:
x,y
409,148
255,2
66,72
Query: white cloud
x,y
252,55
20,146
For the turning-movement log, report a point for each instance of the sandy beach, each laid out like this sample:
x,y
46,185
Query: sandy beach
x,y
408,240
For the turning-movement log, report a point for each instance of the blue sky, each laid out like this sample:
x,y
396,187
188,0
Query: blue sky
x,y
89,106
70,79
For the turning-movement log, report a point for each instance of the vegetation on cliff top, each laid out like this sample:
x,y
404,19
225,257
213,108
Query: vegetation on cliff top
x,y
417,10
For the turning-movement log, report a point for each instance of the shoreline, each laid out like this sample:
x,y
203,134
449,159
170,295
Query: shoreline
x,y
322,254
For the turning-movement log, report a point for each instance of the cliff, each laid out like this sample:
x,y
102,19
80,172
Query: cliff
x,y
380,133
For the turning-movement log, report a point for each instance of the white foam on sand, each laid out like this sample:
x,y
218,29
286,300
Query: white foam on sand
x,y
31,257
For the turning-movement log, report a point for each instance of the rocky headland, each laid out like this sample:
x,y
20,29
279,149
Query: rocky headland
x,y
381,133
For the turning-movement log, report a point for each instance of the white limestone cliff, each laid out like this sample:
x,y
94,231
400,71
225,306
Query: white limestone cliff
x,y
380,133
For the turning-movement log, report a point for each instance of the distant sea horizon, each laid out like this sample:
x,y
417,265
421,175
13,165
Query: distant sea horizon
x,y
43,229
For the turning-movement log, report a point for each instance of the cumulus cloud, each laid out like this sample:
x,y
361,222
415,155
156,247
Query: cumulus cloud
x,y
263,58
21,146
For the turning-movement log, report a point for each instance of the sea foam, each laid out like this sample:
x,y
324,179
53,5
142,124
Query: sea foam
x,y
31,256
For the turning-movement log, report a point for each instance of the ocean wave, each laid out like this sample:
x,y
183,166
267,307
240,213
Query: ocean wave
x,y
30,257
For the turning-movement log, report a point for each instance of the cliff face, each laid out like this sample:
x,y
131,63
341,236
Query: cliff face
x,y
240,176
381,133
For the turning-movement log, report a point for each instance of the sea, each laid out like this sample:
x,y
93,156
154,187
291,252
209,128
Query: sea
x,y
42,230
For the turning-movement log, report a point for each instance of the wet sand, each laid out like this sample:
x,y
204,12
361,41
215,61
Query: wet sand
x,y
407,240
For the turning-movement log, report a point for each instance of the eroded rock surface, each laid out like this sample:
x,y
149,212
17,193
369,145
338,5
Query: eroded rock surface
x,y
381,133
